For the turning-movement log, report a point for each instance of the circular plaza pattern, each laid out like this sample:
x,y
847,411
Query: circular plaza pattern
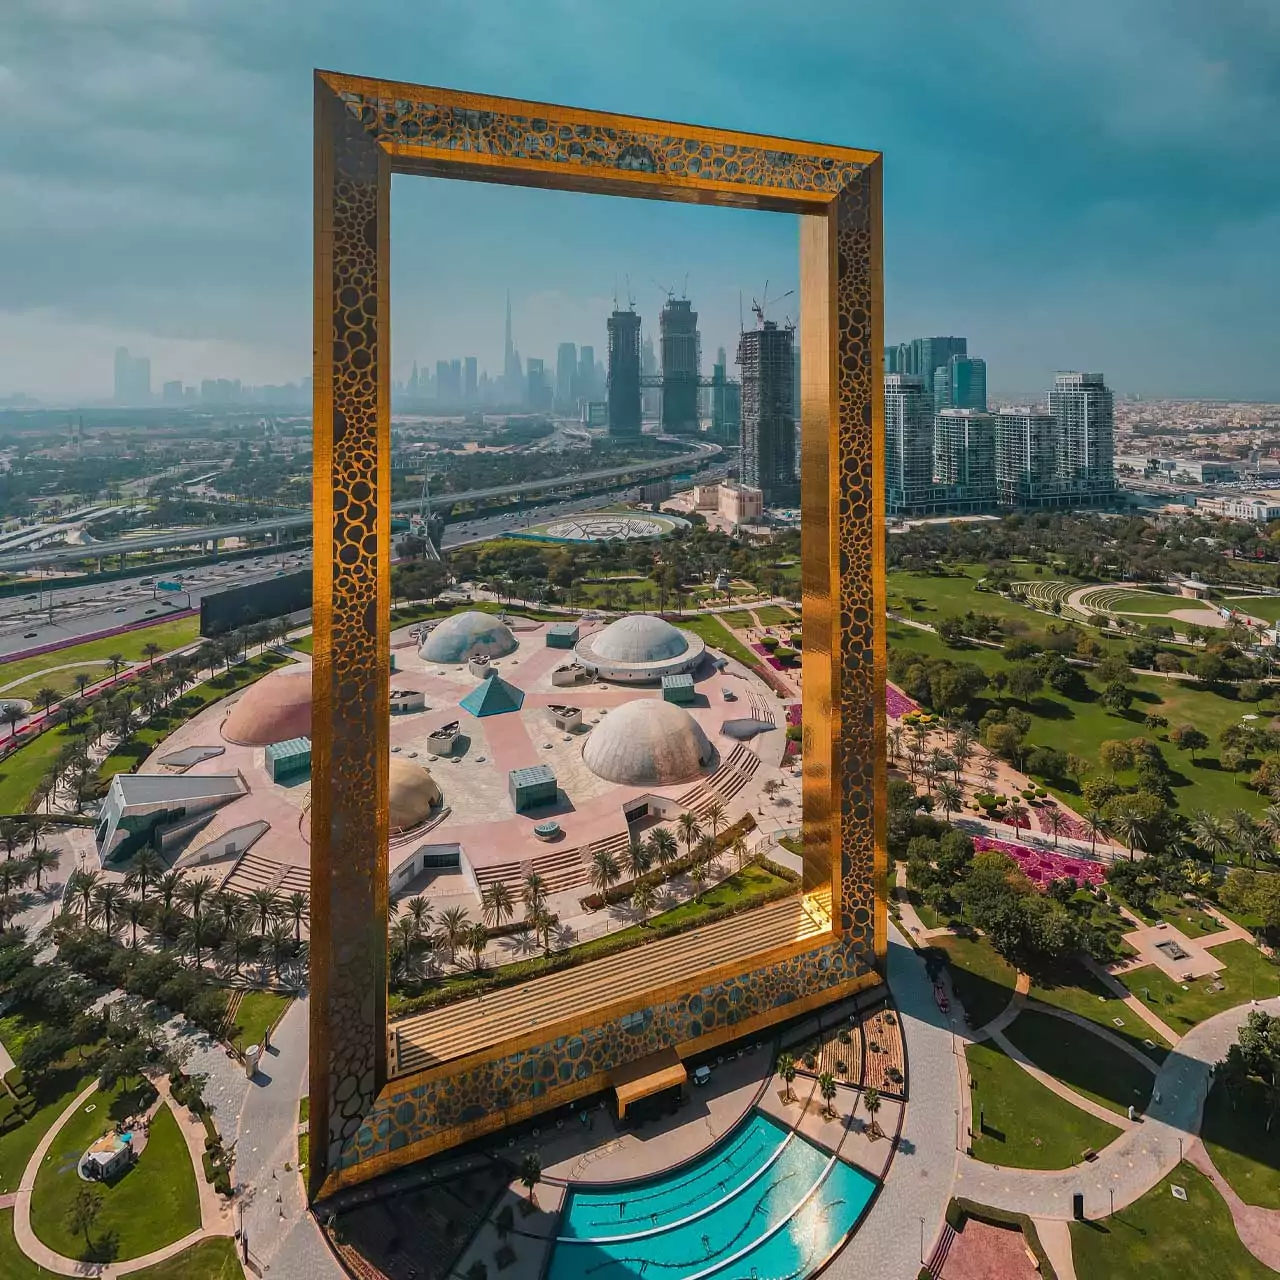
x,y
608,526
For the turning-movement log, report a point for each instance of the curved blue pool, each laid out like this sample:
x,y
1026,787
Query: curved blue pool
x,y
765,1204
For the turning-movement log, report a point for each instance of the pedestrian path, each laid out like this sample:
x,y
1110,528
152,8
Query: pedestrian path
x,y
1258,1228
1118,988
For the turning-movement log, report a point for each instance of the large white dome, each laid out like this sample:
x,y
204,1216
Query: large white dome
x,y
647,743
466,635
639,637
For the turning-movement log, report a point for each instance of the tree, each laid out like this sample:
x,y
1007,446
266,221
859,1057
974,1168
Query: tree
x,y
46,697
1055,820
827,1087
950,799
642,900
83,1213
152,651
266,906
604,871
530,1173
454,923
297,906
787,1073
147,868
1186,737
665,849
496,905
1117,697
1025,681
477,938
1210,836
638,859
40,861
714,817
871,1104
690,830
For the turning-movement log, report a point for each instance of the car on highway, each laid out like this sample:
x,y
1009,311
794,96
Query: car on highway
x,y
30,635
118,609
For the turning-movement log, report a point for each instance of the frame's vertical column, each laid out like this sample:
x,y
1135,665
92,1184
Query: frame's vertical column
x,y
351,676
819,551
858,482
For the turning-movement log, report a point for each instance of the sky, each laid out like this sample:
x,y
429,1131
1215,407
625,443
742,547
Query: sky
x,y
1093,185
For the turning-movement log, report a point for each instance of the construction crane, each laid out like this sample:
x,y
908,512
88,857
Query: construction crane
x,y
758,307
669,290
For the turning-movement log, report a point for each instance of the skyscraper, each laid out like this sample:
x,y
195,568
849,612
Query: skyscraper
x,y
469,380
908,451
132,378
1084,414
650,397
726,403
1025,461
587,389
961,383
539,390
566,376
765,356
624,373
964,457
171,393
512,382
681,347
443,389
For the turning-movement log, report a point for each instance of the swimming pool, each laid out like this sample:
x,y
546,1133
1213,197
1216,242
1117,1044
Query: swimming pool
x,y
765,1204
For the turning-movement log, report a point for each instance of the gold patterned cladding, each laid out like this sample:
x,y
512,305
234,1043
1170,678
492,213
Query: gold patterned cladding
x,y
364,131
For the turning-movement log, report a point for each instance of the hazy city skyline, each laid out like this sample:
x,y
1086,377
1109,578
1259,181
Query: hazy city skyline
x,y
1104,195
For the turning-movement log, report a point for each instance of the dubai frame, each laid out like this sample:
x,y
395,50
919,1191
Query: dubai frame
x,y
489,1062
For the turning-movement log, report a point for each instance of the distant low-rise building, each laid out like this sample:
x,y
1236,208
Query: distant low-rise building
x,y
1260,507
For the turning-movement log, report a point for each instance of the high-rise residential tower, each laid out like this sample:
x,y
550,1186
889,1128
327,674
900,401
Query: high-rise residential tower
x,y
624,373
587,389
132,378
908,445
470,380
650,397
964,458
1084,413
681,347
1025,458
961,383
765,355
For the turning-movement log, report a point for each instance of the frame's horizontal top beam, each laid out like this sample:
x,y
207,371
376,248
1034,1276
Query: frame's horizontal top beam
x,y
447,133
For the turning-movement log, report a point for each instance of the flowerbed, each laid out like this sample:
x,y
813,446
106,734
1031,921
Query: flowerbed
x,y
1043,868
897,703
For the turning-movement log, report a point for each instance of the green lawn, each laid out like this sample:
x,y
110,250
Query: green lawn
x,y
929,599
718,636
213,1259
982,979
737,618
1247,974
1144,602
1159,1235
54,1092
773,615
1081,726
302,644
168,635
23,771
1179,913
62,682
1073,988
1082,1060
153,1204
1240,1146
1267,607
1025,1125
14,1264
258,1011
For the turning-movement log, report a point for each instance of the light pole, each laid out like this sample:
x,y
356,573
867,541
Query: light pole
x,y
922,1242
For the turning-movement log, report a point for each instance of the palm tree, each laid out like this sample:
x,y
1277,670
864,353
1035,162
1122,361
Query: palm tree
x,y
405,941
663,844
787,1072
1017,815
950,798
40,861
1096,825
739,850
454,923
136,912
642,900
152,651
714,818
544,924
533,894
1055,820
107,899
237,941
827,1087
265,904
604,871
279,945
195,895
297,908
1128,826
11,713
871,1103
638,859
83,886
496,905
116,661
167,887
689,832
46,697
10,835
147,868
477,938
530,1173
895,741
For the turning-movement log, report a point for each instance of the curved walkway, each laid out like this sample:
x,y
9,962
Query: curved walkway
x,y
1132,1164
215,1217
1258,1228
48,671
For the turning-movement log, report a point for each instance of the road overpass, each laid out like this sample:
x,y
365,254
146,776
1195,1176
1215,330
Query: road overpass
x,y
605,478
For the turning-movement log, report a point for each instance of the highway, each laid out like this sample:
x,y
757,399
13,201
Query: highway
x,y
24,560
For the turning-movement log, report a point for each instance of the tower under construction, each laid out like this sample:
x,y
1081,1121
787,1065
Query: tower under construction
x,y
624,373
768,423
681,366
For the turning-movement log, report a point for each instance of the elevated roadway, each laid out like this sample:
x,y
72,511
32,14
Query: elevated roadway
x,y
604,478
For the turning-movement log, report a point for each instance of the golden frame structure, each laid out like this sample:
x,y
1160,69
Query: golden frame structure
x,y
363,1121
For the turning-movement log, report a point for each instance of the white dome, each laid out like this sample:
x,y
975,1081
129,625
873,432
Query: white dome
x,y
465,635
647,743
639,637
